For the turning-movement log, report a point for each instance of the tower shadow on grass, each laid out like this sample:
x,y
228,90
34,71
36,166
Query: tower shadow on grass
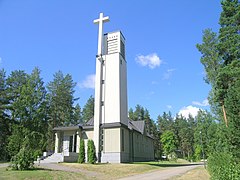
x,y
160,164
172,165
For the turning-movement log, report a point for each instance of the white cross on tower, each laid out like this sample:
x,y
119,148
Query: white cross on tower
x,y
100,21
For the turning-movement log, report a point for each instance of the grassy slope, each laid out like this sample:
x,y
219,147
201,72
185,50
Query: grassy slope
x,y
38,174
198,174
113,171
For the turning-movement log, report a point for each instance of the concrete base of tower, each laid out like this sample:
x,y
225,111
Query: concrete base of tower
x,y
112,157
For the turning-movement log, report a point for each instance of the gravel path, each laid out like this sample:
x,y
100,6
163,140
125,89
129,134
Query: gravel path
x,y
164,174
59,167
4,165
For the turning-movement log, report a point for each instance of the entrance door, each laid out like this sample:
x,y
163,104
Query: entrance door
x,y
73,143
66,140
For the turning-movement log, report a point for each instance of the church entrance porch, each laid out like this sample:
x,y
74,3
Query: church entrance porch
x,y
67,143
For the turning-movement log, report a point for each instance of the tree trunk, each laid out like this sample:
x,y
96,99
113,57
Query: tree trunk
x,y
224,115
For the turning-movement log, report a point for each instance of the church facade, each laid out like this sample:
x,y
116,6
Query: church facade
x,y
117,138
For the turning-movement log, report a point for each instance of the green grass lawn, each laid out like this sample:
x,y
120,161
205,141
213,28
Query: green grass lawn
x,y
38,174
198,173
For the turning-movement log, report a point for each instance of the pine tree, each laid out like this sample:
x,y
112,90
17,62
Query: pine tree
x,y
138,113
77,118
15,83
28,110
131,114
165,122
221,57
4,117
60,101
229,33
88,110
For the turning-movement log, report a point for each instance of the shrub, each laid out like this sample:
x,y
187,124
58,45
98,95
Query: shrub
x,y
81,156
23,160
222,166
91,152
172,156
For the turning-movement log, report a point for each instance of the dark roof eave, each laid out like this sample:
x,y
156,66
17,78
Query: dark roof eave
x,y
87,127
66,128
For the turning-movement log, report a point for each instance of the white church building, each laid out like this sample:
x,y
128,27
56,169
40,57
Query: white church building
x,y
117,138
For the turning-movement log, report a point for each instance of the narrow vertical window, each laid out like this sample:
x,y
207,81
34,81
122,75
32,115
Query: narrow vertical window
x,y
70,144
75,143
101,140
122,139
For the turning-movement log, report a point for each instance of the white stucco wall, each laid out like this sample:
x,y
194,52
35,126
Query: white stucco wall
x,y
123,91
115,76
112,140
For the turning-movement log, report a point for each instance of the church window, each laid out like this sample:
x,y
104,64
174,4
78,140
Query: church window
x,y
122,139
70,143
101,139
75,143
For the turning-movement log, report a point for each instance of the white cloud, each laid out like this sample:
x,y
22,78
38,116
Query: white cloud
x,y
151,60
168,74
89,82
185,111
204,103
169,106
0,60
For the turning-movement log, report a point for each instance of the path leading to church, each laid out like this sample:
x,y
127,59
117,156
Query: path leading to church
x,y
55,166
4,165
163,174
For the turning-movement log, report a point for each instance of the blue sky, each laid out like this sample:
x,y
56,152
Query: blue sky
x,y
164,69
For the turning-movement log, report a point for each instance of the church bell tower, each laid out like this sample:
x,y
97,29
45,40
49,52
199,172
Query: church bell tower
x,y
115,79
111,105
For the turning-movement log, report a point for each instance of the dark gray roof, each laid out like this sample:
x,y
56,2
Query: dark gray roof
x,y
66,128
138,126
90,122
